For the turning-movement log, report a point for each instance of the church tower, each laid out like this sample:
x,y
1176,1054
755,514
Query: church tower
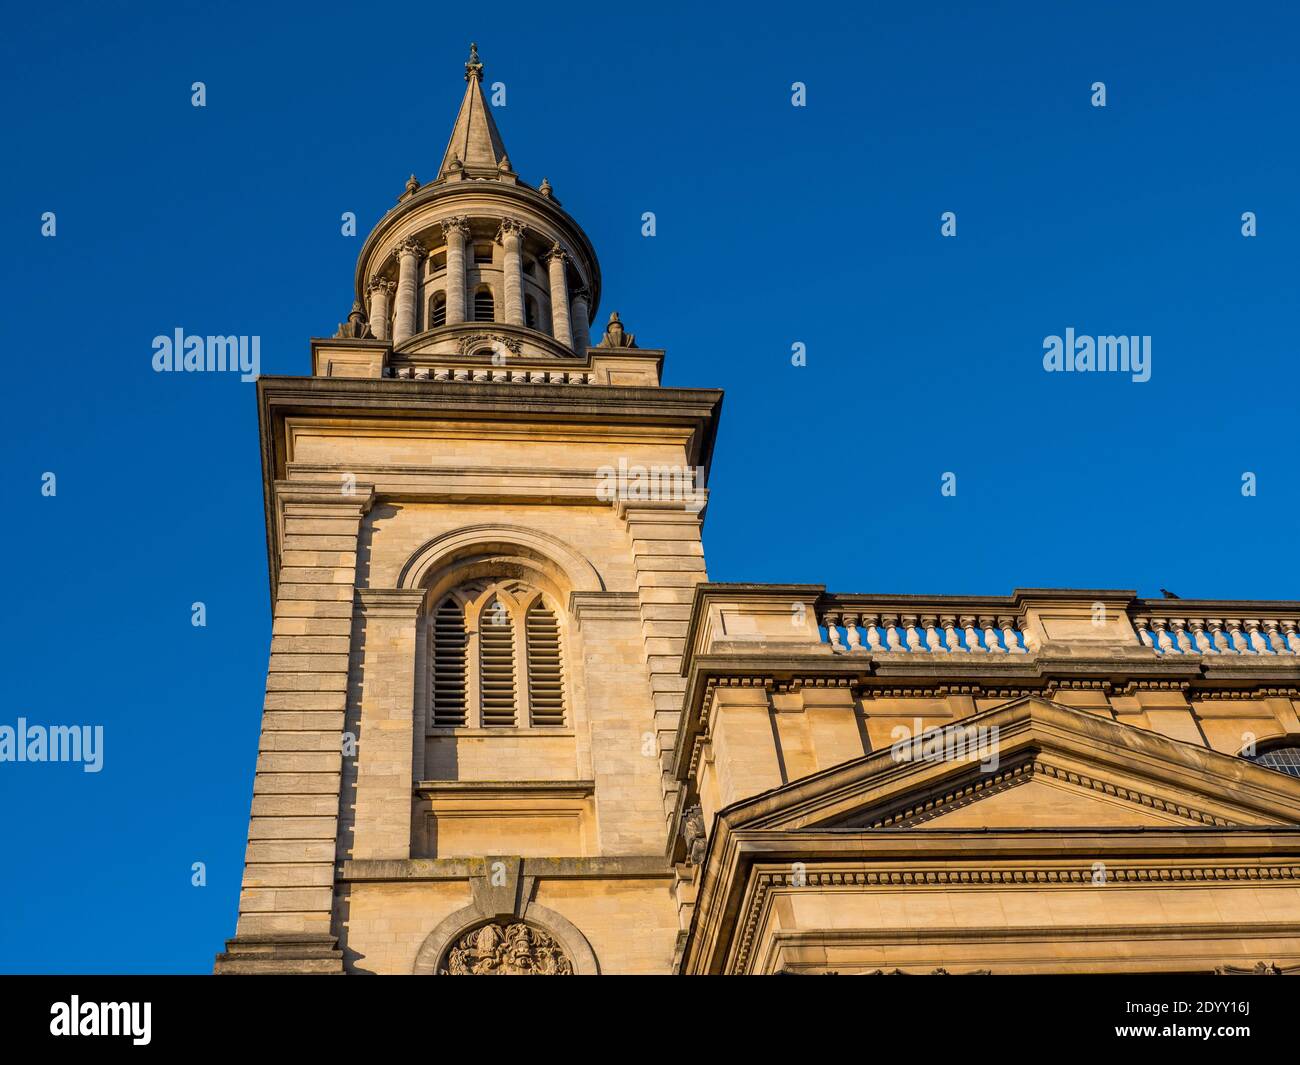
x,y
484,536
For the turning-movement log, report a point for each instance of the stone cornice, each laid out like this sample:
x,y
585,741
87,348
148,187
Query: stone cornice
x,y
429,789
389,602
389,401
604,606
633,867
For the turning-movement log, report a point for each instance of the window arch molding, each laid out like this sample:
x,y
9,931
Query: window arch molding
x,y
547,557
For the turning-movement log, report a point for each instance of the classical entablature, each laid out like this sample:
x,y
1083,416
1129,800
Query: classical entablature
x,y
878,783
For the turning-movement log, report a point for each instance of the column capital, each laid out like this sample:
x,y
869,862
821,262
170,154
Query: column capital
x,y
582,292
410,246
510,227
458,223
557,252
381,284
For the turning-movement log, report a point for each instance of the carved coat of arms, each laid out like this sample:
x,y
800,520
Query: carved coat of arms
x,y
515,950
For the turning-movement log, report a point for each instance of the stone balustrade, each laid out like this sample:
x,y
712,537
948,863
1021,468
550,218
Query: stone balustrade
x,y
480,375
1200,633
919,631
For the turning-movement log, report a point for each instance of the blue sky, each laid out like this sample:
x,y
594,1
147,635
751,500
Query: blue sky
x,y
776,225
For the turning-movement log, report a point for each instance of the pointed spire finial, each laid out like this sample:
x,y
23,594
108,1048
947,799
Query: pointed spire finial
x,y
473,69
475,143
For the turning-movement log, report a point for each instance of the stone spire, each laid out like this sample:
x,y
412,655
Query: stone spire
x,y
475,143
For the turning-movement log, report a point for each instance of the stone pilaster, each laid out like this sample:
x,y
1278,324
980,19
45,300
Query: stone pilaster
x,y
410,253
560,328
286,902
456,230
386,748
669,561
380,291
511,236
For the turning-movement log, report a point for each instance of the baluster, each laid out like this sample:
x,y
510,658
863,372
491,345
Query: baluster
x,y
991,637
913,637
1221,642
1238,637
1181,640
831,619
948,621
972,637
892,637
932,640
1275,639
1143,626
1292,636
869,622
1164,642
1256,638
1009,636
851,630
1201,639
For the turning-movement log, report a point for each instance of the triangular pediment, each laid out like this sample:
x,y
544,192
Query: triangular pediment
x,y
1031,764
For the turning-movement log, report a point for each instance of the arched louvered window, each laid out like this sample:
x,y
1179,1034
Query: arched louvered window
x,y
496,643
496,659
545,670
437,310
449,647
484,308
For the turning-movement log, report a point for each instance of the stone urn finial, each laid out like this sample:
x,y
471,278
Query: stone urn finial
x,y
473,69
615,335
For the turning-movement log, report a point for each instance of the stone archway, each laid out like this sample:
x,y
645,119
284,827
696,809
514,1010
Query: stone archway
x,y
538,942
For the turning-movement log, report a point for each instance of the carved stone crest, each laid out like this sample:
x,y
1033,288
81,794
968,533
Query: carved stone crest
x,y
515,950
477,341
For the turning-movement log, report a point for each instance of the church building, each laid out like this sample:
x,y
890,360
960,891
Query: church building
x,y
510,727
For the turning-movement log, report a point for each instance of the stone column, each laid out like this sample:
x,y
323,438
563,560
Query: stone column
x,y
380,291
456,230
410,253
511,238
559,297
581,321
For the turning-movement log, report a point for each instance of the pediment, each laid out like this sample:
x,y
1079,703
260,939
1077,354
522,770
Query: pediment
x,y
1052,766
1035,794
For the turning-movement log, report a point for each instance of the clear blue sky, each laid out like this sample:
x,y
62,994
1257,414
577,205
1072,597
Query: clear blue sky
x,y
776,225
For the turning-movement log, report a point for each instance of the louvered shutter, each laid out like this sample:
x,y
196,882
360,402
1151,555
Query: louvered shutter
x,y
449,647
496,641
545,671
